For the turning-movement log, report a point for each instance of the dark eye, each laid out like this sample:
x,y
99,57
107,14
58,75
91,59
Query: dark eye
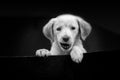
x,y
72,28
58,29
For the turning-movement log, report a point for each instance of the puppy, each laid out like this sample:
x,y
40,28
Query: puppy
x,y
64,32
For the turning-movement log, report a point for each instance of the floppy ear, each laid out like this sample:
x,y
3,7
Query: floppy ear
x,y
84,27
48,29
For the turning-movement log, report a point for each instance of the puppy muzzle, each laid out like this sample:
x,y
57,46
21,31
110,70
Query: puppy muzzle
x,y
65,46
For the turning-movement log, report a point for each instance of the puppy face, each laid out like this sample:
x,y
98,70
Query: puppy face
x,y
65,32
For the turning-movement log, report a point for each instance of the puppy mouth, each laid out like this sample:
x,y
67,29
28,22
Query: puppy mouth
x,y
65,46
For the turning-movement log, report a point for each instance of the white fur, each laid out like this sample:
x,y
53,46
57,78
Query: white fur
x,y
58,28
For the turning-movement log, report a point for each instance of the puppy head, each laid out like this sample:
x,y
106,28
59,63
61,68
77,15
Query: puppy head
x,y
64,30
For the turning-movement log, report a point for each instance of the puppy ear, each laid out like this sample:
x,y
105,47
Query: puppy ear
x,y
85,28
48,29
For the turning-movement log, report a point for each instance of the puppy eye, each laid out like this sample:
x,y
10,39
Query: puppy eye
x,y
58,29
72,28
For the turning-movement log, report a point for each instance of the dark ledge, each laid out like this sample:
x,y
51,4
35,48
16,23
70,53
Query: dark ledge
x,y
96,64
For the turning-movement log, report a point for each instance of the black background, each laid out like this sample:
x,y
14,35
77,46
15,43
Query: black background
x,y
21,25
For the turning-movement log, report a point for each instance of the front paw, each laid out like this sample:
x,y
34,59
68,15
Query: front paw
x,y
42,52
76,57
77,54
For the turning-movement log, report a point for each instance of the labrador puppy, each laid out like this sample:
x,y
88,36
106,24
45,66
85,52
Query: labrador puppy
x,y
65,33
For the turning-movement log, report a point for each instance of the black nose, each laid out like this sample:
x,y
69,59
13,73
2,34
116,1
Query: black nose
x,y
66,39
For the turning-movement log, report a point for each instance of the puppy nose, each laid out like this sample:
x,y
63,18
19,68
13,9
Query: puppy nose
x,y
66,39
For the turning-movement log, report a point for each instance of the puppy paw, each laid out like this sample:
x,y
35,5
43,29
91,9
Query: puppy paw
x,y
43,52
77,55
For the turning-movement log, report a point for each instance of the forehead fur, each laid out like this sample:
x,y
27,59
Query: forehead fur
x,y
67,19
